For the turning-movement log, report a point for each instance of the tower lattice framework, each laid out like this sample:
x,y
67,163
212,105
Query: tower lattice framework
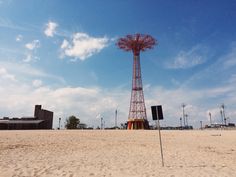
x,y
137,112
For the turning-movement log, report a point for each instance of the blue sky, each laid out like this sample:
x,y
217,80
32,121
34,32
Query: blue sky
x,y
62,54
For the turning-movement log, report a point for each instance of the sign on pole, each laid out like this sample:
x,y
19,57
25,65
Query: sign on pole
x,y
157,114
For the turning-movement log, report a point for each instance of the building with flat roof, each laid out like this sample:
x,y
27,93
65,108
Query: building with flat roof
x,y
42,119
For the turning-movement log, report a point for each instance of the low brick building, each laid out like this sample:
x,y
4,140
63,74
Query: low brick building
x,y
43,119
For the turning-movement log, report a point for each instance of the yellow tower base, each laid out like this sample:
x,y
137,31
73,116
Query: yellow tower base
x,y
137,124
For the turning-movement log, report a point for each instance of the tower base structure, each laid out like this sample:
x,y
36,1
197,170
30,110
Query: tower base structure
x,y
137,124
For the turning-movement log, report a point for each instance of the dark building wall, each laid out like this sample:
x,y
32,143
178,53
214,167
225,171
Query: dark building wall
x,y
45,115
3,126
37,110
25,124
22,126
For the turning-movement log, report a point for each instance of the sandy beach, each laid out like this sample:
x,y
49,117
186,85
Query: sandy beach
x,y
117,153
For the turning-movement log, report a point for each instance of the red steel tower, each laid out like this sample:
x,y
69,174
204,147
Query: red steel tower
x,y
137,112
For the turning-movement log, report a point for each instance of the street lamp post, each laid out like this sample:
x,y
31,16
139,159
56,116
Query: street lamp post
x,y
116,119
180,119
59,124
210,118
183,105
223,113
101,123
222,119
228,119
186,116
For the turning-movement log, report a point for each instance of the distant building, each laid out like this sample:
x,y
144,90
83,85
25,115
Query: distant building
x,y
82,126
42,119
217,126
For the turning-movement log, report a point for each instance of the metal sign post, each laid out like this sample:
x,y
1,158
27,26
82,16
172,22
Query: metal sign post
x,y
159,130
158,115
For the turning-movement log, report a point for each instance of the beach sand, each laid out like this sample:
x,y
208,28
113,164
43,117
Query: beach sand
x,y
78,153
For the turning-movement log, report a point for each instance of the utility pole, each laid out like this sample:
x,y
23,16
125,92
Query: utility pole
x,y
116,119
101,123
183,105
59,124
180,119
223,111
210,118
222,119
186,115
228,119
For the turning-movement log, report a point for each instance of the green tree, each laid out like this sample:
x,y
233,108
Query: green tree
x,y
72,122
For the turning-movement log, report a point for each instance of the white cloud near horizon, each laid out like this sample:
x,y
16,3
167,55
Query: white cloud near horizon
x,y
25,70
83,46
50,29
37,83
5,75
88,102
221,88
188,59
83,102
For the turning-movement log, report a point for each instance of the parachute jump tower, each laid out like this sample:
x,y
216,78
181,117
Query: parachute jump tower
x,y
137,112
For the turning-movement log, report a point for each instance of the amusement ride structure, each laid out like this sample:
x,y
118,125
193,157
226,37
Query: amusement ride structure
x,y
137,112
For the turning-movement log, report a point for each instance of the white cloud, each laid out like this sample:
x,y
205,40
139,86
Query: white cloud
x,y
37,83
219,72
7,23
198,102
83,46
29,57
187,59
89,102
27,71
19,38
230,58
98,116
50,29
83,102
32,48
33,45
5,75
64,44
